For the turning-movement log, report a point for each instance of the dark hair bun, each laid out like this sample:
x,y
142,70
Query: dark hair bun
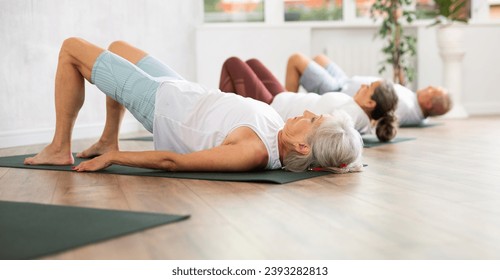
x,y
387,127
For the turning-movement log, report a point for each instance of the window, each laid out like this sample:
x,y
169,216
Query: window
x,y
234,10
363,8
425,9
307,10
494,9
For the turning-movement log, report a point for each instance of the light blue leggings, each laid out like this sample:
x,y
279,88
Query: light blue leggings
x,y
320,80
133,86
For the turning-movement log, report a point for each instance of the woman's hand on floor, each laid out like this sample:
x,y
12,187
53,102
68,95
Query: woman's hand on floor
x,y
94,164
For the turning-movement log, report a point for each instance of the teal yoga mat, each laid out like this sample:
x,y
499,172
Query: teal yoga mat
x,y
30,230
269,176
370,141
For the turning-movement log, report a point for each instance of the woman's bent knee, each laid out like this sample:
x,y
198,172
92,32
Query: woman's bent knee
x,y
117,45
233,61
298,57
322,60
67,47
71,46
72,42
298,61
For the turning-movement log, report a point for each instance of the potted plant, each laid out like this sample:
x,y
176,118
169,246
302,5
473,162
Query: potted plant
x,y
400,47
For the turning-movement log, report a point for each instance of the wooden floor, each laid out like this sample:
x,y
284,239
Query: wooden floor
x,y
437,197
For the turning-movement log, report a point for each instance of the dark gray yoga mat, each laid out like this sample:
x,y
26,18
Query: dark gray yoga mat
x,y
30,230
420,125
142,138
370,141
268,176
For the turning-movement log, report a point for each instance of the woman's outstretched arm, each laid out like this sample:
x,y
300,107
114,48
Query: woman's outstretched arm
x,y
246,154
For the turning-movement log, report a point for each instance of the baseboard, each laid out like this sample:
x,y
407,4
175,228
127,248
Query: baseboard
x,y
15,138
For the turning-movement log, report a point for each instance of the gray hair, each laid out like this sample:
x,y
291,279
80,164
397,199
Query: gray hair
x,y
335,146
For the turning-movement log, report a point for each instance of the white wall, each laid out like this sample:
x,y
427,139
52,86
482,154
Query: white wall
x,y
482,64
31,32
272,45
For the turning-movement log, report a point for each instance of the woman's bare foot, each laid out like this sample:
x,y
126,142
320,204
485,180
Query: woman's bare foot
x,y
51,156
98,149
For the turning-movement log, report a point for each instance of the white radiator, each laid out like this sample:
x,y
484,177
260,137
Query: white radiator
x,y
356,59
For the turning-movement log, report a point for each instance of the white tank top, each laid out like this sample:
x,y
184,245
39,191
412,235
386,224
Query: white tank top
x,y
289,105
190,118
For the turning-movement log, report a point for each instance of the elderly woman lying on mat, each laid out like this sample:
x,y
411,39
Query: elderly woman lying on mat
x,y
194,129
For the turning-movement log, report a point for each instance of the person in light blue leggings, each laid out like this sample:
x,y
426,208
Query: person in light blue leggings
x,y
194,128
155,68
125,88
134,89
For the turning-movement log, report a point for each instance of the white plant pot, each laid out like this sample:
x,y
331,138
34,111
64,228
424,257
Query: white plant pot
x,y
451,49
